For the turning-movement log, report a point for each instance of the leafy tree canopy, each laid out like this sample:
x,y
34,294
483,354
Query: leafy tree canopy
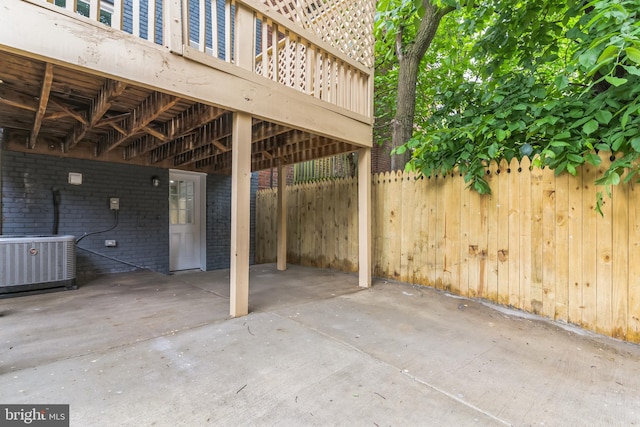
x,y
509,78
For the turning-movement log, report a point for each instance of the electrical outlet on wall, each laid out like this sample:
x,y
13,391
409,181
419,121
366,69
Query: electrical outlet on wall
x,y
114,203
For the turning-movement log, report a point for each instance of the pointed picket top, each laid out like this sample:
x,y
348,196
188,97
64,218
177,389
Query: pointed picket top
x,y
514,165
412,176
493,167
525,164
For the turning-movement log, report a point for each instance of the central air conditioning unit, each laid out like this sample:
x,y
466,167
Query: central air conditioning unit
x,y
32,264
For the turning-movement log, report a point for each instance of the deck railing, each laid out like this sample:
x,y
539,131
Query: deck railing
x,y
293,42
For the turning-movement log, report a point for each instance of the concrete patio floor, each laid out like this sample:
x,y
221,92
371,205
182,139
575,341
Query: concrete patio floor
x,y
143,349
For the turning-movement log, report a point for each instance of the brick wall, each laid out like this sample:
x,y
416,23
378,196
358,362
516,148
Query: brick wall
x,y
219,221
268,178
142,233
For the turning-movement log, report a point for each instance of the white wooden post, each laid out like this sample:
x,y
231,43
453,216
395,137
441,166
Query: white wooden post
x,y
94,10
116,17
136,17
202,34
364,217
172,26
282,217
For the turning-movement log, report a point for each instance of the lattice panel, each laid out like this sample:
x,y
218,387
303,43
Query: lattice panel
x,y
347,25
292,64
287,58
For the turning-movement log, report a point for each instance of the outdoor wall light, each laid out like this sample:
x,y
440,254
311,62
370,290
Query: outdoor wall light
x,y
155,181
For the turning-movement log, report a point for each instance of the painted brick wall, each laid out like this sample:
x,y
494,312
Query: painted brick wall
x,y
219,221
142,232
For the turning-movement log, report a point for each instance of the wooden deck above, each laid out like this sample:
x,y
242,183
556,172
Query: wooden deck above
x,y
72,86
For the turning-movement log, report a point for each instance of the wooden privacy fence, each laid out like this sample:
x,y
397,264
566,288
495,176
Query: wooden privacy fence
x,y
536,243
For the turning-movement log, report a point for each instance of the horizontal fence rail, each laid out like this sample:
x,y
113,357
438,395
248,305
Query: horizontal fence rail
x,y
536,243
286,51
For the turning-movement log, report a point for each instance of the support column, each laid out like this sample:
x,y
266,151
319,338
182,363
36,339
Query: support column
x,y
364,217
241,174
282,217
240,213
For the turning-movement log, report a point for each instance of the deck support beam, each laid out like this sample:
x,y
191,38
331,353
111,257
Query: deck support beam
x,y
282,218
240,214
364,217
241,178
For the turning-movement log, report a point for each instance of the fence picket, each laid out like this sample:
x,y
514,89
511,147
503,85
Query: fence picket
x,y
604,236
328,220
453,207
340,218
306,239
407,237
353,225
537,240
465,225
293,225
525,234
320,256
562,247
502,253
633,310
395,223
431,252
377,200
477,243
438,232
493,229
421,228
589,259
514,234
574,256
548,243
620,262
380,255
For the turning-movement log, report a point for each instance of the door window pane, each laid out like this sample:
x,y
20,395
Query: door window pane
x,y
181,194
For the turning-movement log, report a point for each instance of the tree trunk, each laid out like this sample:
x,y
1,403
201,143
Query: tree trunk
x,y
409,58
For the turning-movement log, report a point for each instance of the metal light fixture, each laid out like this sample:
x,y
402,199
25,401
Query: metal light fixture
x,y
155,181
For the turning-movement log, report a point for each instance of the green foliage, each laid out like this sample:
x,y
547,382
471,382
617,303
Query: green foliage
x,y
508,78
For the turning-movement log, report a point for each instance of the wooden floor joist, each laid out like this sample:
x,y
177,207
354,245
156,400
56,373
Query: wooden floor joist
x,y
42,105
74,114
99,107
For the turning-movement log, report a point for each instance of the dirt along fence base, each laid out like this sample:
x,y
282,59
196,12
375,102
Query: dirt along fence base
x,y
536,243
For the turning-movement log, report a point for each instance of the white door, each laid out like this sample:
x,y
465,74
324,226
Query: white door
x,y
185,221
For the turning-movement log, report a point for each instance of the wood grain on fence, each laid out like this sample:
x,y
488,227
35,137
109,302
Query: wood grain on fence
x,y
536,243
